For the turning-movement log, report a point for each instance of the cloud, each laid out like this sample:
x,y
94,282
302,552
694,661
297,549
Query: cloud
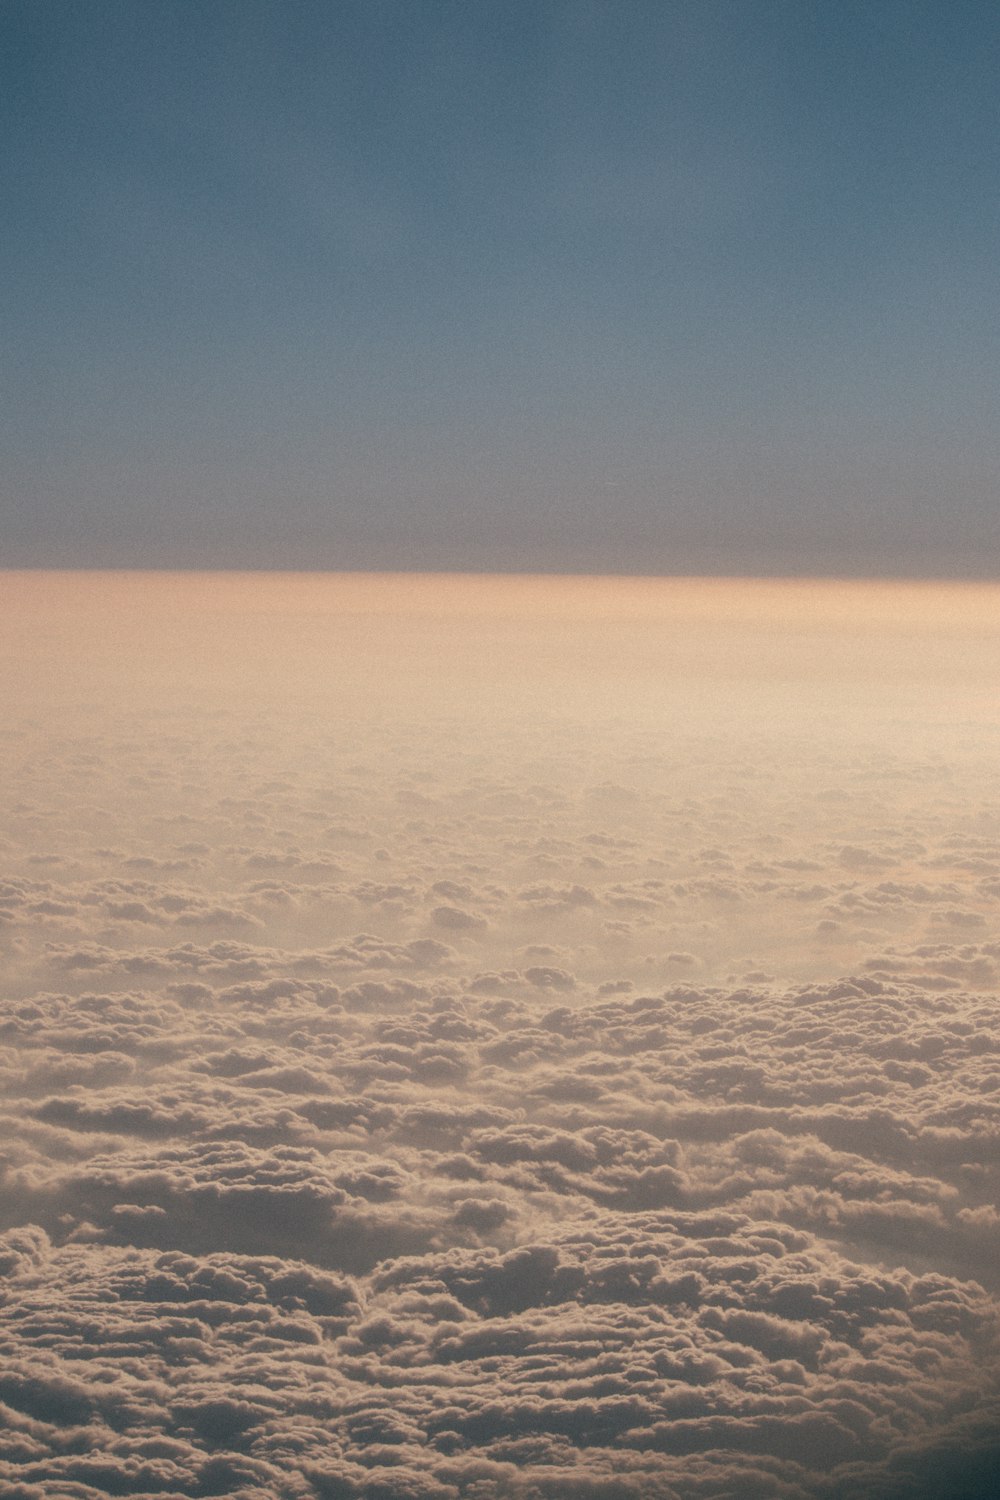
x,y
611,1115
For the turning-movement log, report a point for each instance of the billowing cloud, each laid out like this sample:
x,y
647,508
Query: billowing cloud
x,y
396,1112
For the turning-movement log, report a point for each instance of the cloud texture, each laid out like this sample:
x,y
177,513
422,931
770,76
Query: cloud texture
x,y
463,1104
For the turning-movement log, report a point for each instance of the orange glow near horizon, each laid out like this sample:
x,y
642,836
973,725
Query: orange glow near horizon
x,y
749,652
913,603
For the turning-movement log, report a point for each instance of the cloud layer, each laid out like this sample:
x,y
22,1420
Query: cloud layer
x,y
412,1106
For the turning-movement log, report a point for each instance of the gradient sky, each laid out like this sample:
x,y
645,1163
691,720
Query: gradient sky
x,y
641,287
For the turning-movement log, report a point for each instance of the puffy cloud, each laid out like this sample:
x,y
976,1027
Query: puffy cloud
x,y
391,1110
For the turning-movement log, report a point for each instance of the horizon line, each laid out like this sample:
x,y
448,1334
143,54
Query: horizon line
x,y
686,575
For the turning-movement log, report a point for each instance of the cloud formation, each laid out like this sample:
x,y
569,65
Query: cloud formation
x,y
387,1118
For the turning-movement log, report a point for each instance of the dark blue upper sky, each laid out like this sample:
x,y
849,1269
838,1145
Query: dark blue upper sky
x,y
660,287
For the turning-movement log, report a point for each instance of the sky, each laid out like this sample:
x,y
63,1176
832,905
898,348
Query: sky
x,y
643,288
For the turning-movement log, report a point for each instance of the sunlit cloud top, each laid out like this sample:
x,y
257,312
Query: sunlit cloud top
x,y
657,288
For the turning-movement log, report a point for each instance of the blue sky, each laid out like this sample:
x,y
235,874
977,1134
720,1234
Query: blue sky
x,y
632,287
